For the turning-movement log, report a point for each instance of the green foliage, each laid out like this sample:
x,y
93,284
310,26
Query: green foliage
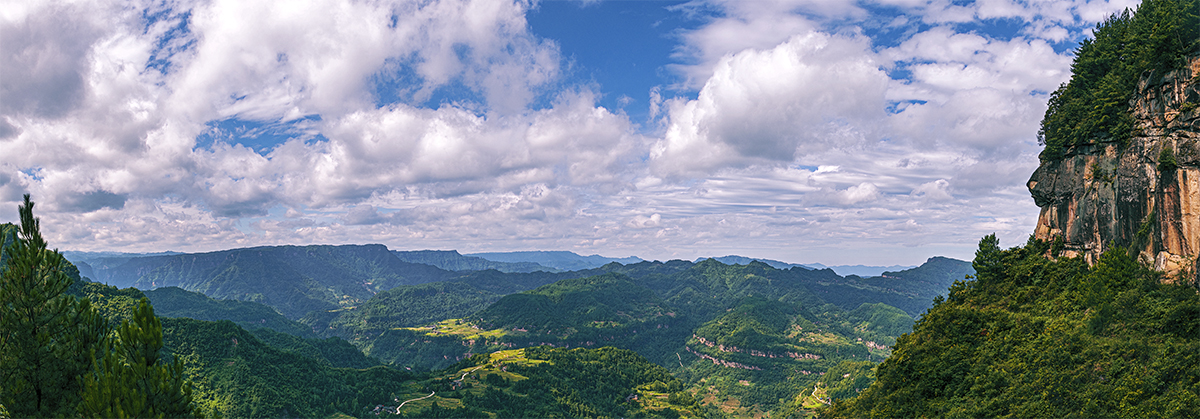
x,y
337,352
47,338
177,302
882,319
605,300
131,380
1166,162
113,304
403,306
848,378
755,323
768,355
1094,105
596,311
237,375
580,383
1036,337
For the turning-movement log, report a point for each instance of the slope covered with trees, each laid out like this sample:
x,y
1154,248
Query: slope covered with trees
x,y
237,375
550,382
293,279
403,306
1031,336
177,302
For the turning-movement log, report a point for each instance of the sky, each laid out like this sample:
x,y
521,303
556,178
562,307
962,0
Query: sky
x,y
869,132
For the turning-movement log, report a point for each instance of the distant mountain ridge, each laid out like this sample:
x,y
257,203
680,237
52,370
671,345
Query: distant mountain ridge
x,y
864,271
561,259
451,260
743,260
293,279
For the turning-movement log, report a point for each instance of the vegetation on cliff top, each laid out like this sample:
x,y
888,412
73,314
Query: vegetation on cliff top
x,y
1035,337
1094,106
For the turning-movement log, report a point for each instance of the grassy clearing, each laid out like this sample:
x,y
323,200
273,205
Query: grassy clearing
x,y
459,328
827,338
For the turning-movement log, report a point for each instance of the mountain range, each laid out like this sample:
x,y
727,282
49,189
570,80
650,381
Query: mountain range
x,y
737,332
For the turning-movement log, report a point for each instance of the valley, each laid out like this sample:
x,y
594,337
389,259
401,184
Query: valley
x,y
727,339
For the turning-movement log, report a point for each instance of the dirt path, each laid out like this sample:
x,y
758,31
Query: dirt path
x,y
413,400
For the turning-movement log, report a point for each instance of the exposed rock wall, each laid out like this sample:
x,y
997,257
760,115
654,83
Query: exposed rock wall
x,y
1105,195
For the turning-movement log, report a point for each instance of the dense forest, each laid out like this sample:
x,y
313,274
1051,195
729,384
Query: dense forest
x,y
1094,106
1032,336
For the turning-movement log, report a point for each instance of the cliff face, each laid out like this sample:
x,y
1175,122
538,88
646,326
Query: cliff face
x,y
1144,196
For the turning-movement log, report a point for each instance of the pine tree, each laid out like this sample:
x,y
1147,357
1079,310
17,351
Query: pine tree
x,y
47,339
130,380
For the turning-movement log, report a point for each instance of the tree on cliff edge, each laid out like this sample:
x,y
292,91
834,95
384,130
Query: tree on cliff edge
x,y
1094,105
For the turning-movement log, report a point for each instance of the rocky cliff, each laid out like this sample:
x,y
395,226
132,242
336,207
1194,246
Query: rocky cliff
x,y
1143,195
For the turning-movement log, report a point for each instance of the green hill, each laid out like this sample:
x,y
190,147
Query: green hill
x,y
543,382
293,279
403,306
767,356
609,300
234,374
1032,337
177,302
602,310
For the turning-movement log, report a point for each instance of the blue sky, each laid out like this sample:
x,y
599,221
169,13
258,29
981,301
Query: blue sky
x,y
830,131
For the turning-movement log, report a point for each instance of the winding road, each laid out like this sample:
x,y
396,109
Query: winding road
x,y
413,400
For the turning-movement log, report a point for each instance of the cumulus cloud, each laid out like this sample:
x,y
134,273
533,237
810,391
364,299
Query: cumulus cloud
x,y
805,95
788,133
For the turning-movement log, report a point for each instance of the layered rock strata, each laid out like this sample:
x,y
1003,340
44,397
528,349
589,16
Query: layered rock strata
x,y
1144,195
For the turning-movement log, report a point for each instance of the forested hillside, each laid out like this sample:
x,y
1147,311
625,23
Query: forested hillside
x,y
403,306
293,279
177,302
1031,336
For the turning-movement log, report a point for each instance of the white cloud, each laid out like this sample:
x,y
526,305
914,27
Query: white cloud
x,y
805,95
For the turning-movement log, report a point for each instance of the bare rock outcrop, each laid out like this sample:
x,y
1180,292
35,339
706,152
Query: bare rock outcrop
x,y
1143,196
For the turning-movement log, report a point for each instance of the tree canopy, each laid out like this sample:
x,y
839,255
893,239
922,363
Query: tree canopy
x,y
1032,336
1094,106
